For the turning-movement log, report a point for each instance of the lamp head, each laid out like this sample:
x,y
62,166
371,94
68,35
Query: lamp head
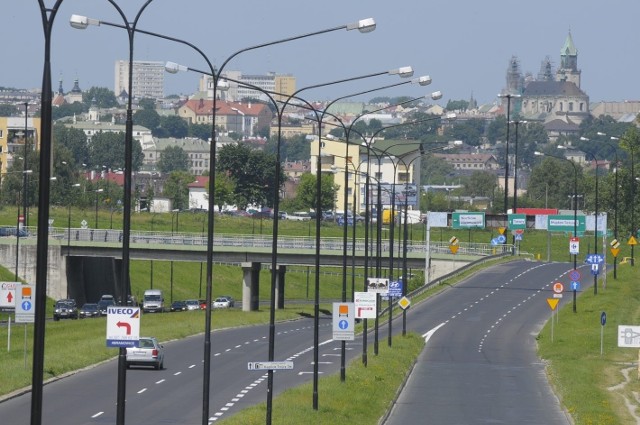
x,y
223,85
436,95
451,116
425,80
584,139
536,153
600,133
80,22
403,72
363,25
174,68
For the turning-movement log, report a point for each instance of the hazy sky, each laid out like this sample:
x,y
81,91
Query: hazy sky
x,y
464,45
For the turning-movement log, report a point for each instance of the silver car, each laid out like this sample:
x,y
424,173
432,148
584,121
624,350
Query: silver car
x,y
149,352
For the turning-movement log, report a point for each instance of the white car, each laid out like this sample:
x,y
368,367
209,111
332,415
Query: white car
x,y
149,352
192,304
221,302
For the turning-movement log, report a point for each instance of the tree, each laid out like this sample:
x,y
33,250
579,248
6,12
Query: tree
x,y
469,131
108,149
148,118
225,188
148,104
457,105
7,110
307,190
102,96
176,188
174,158
74,140
200,131
174,126
68,110
294,148
553,181
480,183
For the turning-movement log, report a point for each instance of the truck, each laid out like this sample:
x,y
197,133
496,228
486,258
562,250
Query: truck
x,y
153,301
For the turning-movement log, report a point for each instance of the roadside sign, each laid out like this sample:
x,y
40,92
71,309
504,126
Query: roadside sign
x,y
25,304
615,251
574,275
628,336
574,245
632,241
365,305
518,236
343,321
595,269
517,221
8,294
404,303
565,223
614,244
501,230
603,318
467,220
378,285
123,326
553,302
575,286
454,248
558,287
282,365
594,259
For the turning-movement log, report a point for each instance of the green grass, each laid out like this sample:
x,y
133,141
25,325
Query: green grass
x,y
363,398
581,376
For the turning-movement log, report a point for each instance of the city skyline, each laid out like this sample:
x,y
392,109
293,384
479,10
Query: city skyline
x,y
464,46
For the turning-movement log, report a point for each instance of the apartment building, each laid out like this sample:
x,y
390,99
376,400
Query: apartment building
x,y
148,79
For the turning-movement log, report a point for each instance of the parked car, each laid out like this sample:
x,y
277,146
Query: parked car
x,y
103,304
65,309
203,304
221,302
178,306
232,302
192,304
149,352
89,310
11,231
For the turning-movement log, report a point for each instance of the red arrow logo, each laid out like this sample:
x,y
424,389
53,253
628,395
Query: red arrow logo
x,y
126,325
9,297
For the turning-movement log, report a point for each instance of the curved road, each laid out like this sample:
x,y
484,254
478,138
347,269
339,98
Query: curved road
x,y
479,366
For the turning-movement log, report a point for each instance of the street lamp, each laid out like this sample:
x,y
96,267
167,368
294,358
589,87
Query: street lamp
x,y
508,96
595,233
96,192
69,217
575,210
515,167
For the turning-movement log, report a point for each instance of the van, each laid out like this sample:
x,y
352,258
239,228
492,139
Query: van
x,y
152,301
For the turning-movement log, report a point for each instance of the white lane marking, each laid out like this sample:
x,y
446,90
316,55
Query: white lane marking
x,y
160,381
192,366
429,334
177,373
142,390
97,414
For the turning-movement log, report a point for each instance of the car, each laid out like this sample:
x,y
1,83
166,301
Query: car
x,y
232,302
89,310
103,304
203,304
65,309
149,352
192,304
12,230
221,302
178,306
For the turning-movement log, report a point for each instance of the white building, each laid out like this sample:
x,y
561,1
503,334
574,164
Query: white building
x,y
148,79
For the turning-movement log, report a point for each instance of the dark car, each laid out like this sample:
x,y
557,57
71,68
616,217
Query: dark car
x,y
178,306
65,309
89,310
104,304
12,230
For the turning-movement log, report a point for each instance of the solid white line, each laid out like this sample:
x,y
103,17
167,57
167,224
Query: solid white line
x,y
96,415
429,334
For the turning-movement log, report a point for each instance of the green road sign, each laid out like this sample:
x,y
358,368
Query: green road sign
x,y
565,223
468,220
517,221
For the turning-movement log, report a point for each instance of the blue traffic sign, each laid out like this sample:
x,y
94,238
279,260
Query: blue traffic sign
x,y
595,269
502,239
26,305
594,259
343,324
603,318
518,236
575,285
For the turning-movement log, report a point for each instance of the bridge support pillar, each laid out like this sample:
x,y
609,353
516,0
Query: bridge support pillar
x,y
281,271
250,286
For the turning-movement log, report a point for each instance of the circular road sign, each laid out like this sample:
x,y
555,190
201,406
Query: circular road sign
x,y
558,287
574,275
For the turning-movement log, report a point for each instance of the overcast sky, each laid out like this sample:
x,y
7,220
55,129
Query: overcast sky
x,y
464,45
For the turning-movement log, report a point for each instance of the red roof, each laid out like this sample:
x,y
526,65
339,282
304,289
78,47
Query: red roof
x,y
537,211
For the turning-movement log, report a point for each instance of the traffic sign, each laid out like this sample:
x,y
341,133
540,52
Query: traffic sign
x,y
575,286
574,275
594,259
603,318
574,246
518,236
282,365
595,269
123,326
565,223
453,241
454,248
615,251
404,303
629,336
517,221
343,321
614,244
365,305
553,302
502,239
378,285
632,241
25,304
467,220
558,287
8,294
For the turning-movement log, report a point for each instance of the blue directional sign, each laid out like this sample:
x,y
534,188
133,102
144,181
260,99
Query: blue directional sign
x,y
343,324
502,239
603,318
575,286
594,259
518,236
595,269
26,306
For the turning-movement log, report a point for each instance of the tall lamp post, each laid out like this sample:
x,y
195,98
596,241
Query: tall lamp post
x,y
508,96
96,192
69,217
595,233
363,26
575,210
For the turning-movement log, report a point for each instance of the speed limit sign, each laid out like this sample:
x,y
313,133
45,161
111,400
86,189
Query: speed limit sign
x,y
574,246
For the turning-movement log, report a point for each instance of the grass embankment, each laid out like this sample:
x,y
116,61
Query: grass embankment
x,y
596,389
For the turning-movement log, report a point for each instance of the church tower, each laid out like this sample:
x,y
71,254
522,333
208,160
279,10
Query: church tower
x,y
568,70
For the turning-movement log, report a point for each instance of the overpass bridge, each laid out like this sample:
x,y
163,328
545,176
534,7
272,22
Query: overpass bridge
x,y
85,263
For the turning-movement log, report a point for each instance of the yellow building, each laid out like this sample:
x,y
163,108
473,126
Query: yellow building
x,y
12,138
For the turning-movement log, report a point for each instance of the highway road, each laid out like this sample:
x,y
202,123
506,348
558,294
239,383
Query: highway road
x,y
479,365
